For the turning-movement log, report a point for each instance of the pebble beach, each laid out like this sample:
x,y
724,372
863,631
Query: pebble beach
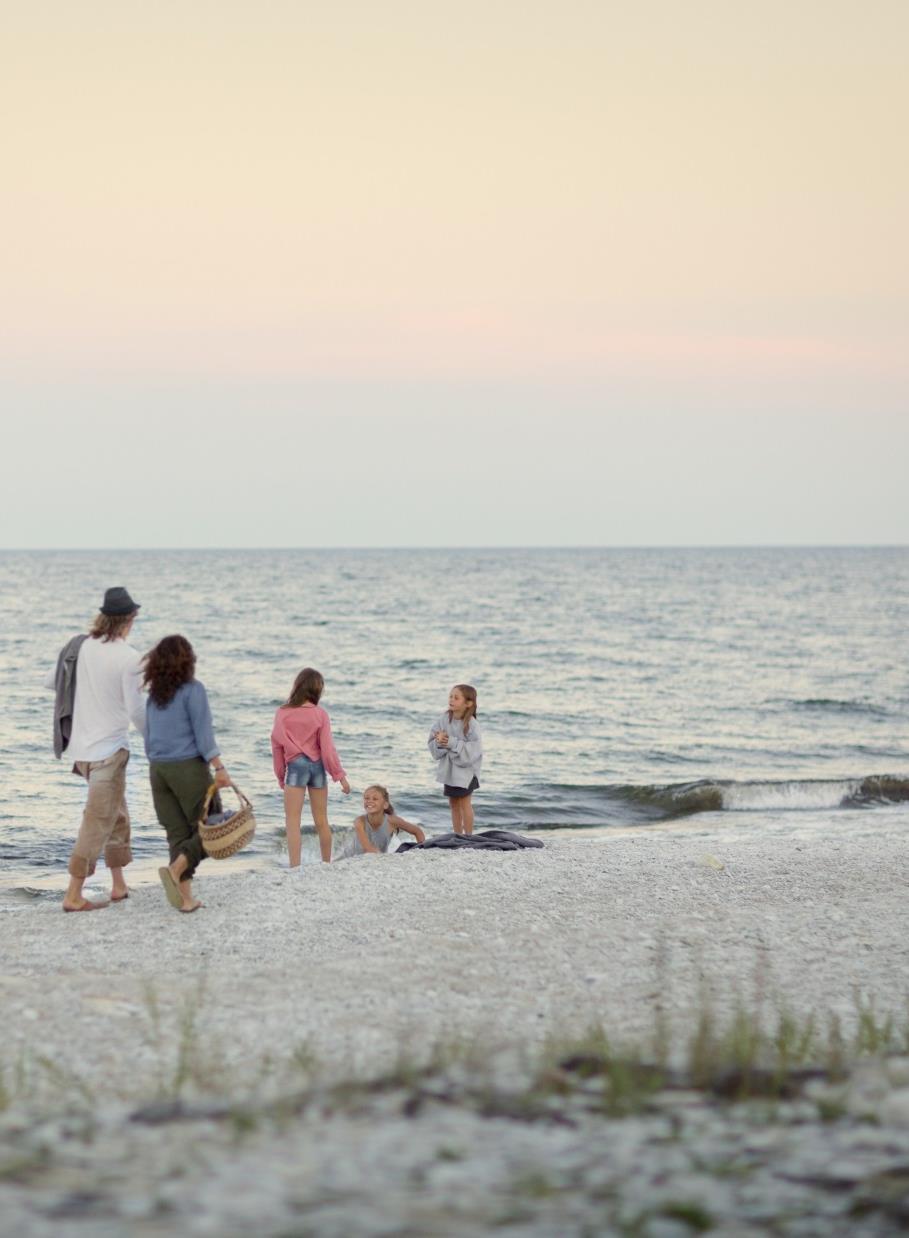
x,y
384,967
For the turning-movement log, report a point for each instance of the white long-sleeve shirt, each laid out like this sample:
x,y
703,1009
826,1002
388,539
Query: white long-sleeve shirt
x,y
108,698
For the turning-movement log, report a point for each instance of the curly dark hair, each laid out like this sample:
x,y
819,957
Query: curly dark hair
x,y
168,666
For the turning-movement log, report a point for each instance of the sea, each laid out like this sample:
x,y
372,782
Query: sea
x,y
722,689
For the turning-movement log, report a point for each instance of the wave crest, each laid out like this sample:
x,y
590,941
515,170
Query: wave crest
x,y
628,803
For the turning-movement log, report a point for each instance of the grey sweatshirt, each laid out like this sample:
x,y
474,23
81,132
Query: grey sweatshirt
x,y
460,762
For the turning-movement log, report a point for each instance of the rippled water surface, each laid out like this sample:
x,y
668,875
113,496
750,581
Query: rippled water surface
x,y
615,686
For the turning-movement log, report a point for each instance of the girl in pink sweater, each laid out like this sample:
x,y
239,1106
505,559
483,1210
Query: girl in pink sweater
x,y
303,751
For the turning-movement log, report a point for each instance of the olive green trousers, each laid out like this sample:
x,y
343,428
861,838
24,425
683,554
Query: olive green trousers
x,y
178,791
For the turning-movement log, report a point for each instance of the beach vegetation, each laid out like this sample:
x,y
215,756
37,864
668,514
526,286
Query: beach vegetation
x,y
184,1060
447,1152
874,1034
304,1060
21,1166
15,1078
64,1082
534,1184
752,1053
690,1213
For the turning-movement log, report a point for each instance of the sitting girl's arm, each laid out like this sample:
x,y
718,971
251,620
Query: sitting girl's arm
x,y
360,827
398,823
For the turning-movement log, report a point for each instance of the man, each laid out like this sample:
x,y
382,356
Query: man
x,y
91,723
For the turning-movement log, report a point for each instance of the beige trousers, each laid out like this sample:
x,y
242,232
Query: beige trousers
x,y
105,821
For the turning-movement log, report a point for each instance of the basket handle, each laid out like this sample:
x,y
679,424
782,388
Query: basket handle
x,y
210,793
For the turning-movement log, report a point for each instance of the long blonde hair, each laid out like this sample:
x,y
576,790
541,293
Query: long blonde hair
x,y
470,696
111,627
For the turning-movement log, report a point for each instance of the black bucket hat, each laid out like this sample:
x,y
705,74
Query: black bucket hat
x,y
118,602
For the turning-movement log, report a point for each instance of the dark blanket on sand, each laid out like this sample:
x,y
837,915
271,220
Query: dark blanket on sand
x,y
484,840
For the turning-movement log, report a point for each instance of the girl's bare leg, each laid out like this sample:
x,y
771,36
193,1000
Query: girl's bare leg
x,y
466,815
293,811
455,814
318,806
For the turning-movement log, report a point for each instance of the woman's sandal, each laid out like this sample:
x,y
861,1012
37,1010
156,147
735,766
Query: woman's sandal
x,y
171,889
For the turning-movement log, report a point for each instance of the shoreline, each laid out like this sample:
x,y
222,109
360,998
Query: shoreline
x,y
807,826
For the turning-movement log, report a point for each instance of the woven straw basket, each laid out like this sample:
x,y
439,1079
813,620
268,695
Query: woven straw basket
x,y
230,836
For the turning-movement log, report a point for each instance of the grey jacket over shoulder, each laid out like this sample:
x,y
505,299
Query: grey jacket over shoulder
x,y
65,693
460,762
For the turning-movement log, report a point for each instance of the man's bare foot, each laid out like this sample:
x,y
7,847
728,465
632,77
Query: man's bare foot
x,y
118,893
85,905
193,906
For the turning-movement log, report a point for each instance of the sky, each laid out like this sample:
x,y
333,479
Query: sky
x,y
423,272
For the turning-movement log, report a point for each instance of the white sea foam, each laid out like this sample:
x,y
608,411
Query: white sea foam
x,y
745,797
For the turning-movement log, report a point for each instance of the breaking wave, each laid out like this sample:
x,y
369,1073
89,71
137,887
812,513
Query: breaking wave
x,y
628,804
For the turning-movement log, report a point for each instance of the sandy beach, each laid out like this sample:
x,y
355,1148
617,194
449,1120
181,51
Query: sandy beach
x,y
363,960
332,974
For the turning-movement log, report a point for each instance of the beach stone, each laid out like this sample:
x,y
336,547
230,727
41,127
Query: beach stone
x,y
666,1227
898,1071
867,1088
894,1109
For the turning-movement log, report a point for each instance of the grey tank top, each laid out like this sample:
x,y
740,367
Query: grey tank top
x,y
380,838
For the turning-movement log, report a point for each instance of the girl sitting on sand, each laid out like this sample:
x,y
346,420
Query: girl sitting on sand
x,y
457,746
374,830
302,751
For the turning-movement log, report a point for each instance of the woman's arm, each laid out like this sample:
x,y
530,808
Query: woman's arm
x,y
399,823
199,711
360,827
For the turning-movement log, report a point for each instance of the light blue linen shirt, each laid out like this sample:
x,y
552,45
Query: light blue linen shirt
x,y
181,729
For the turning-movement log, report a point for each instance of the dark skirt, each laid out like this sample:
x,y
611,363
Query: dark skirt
x,y
456,793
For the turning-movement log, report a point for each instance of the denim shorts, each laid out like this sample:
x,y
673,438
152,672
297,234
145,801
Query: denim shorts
x,y
304,772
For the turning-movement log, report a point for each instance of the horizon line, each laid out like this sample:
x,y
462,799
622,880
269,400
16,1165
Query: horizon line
x,y
464,547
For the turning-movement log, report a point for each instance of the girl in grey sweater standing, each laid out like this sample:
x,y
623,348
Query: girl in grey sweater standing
x,y
457,747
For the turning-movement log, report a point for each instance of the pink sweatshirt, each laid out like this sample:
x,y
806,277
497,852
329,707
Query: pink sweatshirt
x,y
307,730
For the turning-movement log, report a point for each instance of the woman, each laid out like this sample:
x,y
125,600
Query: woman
x,y
180,745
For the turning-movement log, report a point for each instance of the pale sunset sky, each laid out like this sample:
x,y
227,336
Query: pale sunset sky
x,y
423,272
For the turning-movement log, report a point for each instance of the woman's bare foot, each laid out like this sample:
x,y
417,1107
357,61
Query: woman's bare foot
x,y
186,893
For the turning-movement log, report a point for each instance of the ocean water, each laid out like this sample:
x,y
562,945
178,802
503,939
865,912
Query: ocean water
x,y
753,688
